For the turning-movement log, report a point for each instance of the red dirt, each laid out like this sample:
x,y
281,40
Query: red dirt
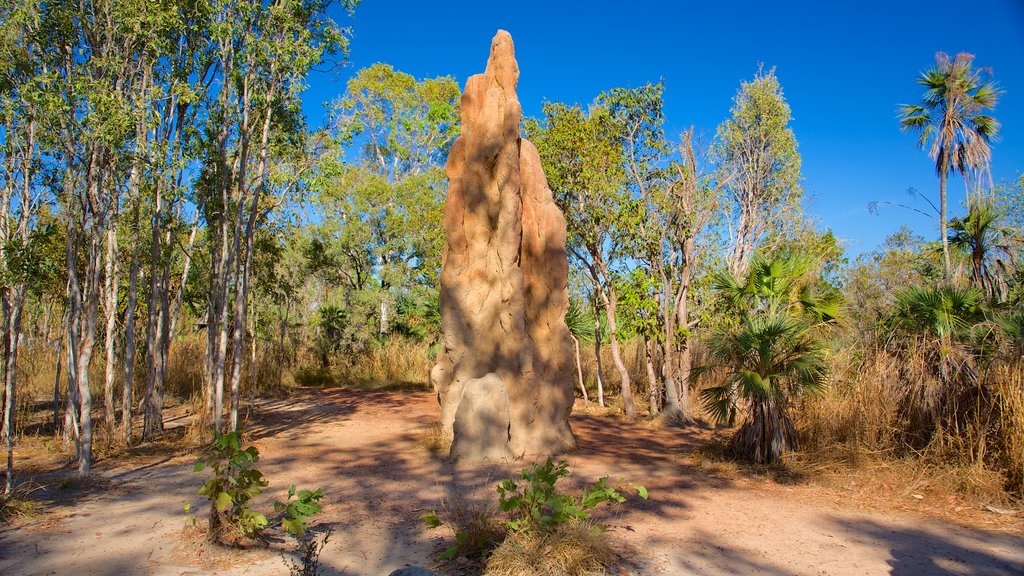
x,y
367,451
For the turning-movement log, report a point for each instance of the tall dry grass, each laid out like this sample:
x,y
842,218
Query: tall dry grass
x,y
891,408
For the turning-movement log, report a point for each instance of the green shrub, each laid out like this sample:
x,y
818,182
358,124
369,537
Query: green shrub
x,y
234,484
532,507
298,512
533,504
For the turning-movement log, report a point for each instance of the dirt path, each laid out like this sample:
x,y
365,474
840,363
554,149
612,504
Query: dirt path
x,y
365,449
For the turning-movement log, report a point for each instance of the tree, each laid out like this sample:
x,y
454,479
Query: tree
x,y
757,152
775,353
989,245
953,124
26,114
584,159
263,51
387,206
681,211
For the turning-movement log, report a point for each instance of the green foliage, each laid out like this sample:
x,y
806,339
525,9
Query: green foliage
x,y
952,120
580,320
988,245
757,151
775,353
944,312
297,512
533,504
419,314
953,123
235,483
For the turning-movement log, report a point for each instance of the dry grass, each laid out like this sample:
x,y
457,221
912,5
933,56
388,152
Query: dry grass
x,y
18,503
885,414
575,549
435,440
475,531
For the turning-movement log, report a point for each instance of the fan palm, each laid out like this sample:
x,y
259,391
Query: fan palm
x,y
953,124
774,354
767,361
988,244
946,312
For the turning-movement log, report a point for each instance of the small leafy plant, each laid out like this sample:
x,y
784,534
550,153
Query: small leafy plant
x,y
532,506
235,483
297,512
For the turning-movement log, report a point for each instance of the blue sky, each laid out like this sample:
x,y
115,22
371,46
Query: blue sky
x,y
844,67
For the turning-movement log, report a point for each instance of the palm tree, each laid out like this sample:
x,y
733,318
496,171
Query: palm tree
x,y
952,123
987,243
775,353
946,312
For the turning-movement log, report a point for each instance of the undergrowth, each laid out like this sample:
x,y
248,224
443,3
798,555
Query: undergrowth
x,y
539,529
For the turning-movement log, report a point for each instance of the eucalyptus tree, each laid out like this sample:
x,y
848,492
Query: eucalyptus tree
x,y
94,50
387,205
26,114
682,212
262,52
585,162
953,123
757,149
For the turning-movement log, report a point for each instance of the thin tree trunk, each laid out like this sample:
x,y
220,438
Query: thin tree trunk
x,y
13,303
88,341
129,340
179,298
652,378
110,310
59,345
597,354
610,302
942,215
150,417
579,367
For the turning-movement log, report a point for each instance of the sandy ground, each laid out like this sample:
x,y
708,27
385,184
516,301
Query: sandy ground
x,y
366,450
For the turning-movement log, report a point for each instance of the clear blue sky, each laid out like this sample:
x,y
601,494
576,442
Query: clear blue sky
x,y
844,67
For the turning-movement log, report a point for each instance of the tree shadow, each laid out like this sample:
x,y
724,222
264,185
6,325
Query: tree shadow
x,y
925,551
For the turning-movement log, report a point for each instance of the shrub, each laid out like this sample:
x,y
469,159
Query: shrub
x,y
550,531
234,484
533,504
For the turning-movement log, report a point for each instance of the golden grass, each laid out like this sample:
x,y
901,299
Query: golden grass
x,y
435,440
574,549
870,420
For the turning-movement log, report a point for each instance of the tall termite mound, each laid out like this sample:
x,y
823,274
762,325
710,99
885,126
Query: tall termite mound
x,y
503,376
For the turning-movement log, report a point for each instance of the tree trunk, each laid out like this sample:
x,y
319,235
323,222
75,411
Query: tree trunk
x,y
579,367
59,345
652,378
110,311
13,304
597,355
152,420
942,215
610,301
129,341
90,303
179,298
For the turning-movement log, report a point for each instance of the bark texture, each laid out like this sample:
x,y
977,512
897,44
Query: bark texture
x,y
503,283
